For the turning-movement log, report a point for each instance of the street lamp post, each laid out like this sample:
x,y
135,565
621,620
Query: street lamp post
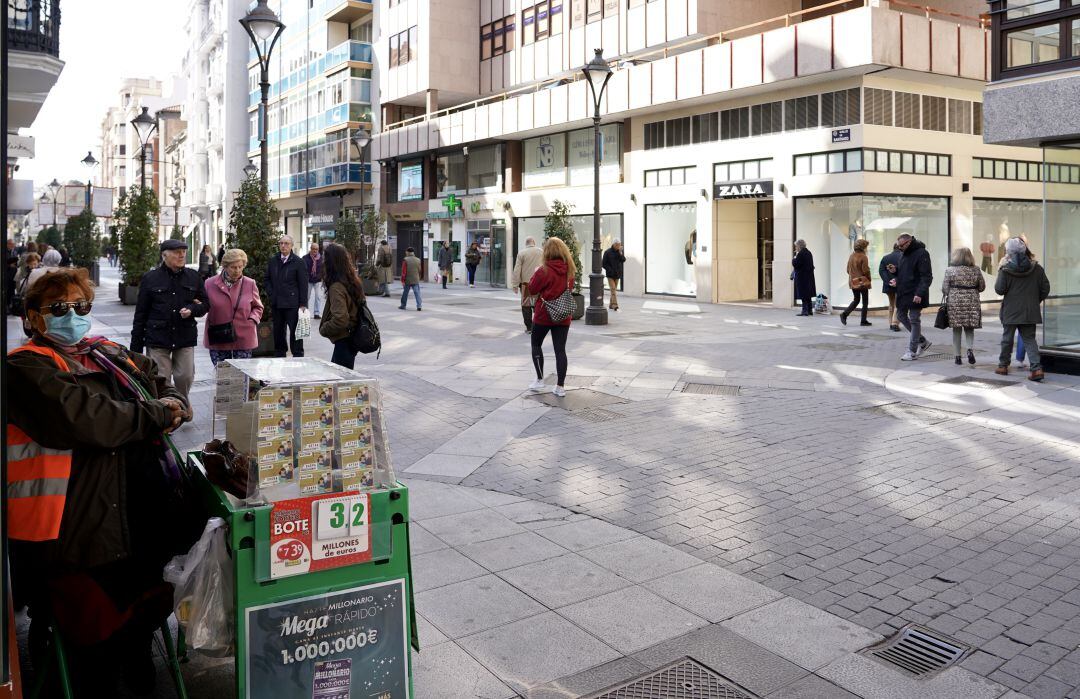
x,y
90,163
264,29
597,73
144,126
250,170
360,139
54,189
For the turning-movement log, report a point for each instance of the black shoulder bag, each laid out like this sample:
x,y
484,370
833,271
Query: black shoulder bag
x,y
225,333
365,337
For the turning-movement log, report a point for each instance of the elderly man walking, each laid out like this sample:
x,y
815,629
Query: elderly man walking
x,y
913,277
287,289
1023,285
526,264
171,299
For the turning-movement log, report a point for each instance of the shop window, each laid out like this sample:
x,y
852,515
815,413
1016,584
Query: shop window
x,y
994,222
671,249
611,229
734,123
801,113
1061,247
830,225
767,118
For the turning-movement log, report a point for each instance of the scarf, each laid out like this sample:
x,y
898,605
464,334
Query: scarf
x,y
230,284
88,352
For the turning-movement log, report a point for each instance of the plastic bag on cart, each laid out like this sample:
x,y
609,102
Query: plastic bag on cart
x,y
203,592
303,325
821,305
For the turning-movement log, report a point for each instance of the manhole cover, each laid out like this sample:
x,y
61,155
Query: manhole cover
x,y
596,415
979,381
912,413
935,356
640,333
709,389
682,679
834,346
577,399
917,651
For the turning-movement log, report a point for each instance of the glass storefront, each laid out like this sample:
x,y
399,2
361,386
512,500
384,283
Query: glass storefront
x,y
671,249
610,231
1061,318
994,221
831,225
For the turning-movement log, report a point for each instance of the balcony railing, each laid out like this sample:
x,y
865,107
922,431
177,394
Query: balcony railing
x,y
34,25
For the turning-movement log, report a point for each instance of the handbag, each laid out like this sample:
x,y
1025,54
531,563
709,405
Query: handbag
x,y
303,325
560,308
941,320
225,333
365,336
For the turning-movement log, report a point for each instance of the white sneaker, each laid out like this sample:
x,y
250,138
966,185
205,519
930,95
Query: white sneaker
x,y
908,357
559,392
537,385
922,348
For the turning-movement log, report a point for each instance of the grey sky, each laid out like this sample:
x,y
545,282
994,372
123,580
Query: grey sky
x,y
102,42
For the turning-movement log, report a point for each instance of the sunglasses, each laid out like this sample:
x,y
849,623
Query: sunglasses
x,y
60,308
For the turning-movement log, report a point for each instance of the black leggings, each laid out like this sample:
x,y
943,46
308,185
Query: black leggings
x,y
558,338
860,295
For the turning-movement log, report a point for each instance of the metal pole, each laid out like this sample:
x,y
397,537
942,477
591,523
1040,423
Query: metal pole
x,y
596,314
264,155
363,217
142,168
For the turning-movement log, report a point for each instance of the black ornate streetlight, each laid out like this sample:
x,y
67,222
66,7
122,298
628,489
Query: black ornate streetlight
x,y
597,73
90,163
264,29
54,190
144,125
360,139
250,170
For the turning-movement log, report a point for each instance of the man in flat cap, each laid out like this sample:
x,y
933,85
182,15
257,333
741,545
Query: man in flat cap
x,y
171,298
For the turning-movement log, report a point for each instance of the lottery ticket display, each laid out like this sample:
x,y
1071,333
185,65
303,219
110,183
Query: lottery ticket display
x,y
309,427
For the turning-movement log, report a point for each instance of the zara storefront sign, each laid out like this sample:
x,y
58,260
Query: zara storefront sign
x,y
757,189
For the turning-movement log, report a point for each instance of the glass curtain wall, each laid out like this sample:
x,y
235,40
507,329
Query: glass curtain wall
x,y
831,225
671,249
1061,316
994,222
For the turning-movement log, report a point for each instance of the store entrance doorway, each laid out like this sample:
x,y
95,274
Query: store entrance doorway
x,y
765,249
410,234
737,261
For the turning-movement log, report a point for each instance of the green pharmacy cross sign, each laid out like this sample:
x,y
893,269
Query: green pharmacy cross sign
x,y
452,204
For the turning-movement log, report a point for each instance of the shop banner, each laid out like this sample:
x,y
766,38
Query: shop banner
x,y
74,198
101,199
545,161
319,532
351,644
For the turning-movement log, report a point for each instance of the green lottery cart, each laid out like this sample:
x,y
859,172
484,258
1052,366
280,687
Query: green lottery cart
x,y
320,545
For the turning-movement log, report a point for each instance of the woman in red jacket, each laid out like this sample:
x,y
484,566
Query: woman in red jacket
x,y
549,282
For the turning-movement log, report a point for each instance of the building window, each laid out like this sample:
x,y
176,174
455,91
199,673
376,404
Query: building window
x,y
654,135
1030,34
1025,171
450,174
879,107
1033,45
485,168
740,170
960,116
906,110
542,20
705,128
840,108
497,37
933,113
678,132
801,113
671,176
906,163
734,123
767,118
403,47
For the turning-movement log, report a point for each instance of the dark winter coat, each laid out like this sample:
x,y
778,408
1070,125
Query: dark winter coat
x,y
1023,285
446,258
287,283
316,277
961,288
114,468
340,313
914,276
548,282
472,256
613,263
803,271
893,258
163,293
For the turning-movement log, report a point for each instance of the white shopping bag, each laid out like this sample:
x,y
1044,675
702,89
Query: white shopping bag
x,y
303,325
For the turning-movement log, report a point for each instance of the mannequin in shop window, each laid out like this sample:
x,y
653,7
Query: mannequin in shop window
x,y
855,231
1003,237
987,249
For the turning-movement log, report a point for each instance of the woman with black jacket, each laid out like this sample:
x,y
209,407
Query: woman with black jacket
x,y
613,269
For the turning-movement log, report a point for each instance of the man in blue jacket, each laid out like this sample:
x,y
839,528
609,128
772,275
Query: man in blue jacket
x,y
913,278
287,289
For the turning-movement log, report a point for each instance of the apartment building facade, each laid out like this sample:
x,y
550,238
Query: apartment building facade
x,y
728,134
321,95
1031,101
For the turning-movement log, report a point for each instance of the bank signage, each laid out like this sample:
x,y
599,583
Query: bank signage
x,y
755,189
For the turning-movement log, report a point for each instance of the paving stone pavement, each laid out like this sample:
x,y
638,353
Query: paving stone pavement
x,y
835,475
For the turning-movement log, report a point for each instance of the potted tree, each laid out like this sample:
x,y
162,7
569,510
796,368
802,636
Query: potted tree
x,y
557,225
371,230
82,238
50,236
137,216
253,228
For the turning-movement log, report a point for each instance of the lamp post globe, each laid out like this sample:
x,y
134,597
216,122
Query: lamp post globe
x,y
144,125
360,139
89,162
54,187
597,72
250,170
264,29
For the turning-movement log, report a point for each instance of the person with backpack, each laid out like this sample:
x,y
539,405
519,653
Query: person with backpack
x,y
344,297
552,283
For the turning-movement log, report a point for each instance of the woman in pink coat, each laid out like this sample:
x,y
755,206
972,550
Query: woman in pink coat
x,y
233,298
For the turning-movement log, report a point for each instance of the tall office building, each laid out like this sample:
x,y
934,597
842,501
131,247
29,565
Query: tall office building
x,y
729,131
320,96
1032,101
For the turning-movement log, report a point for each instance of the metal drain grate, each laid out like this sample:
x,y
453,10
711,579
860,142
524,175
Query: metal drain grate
x,y
683,679
935,356
834,346
979,381
596,415
917,651
640,333
710,389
